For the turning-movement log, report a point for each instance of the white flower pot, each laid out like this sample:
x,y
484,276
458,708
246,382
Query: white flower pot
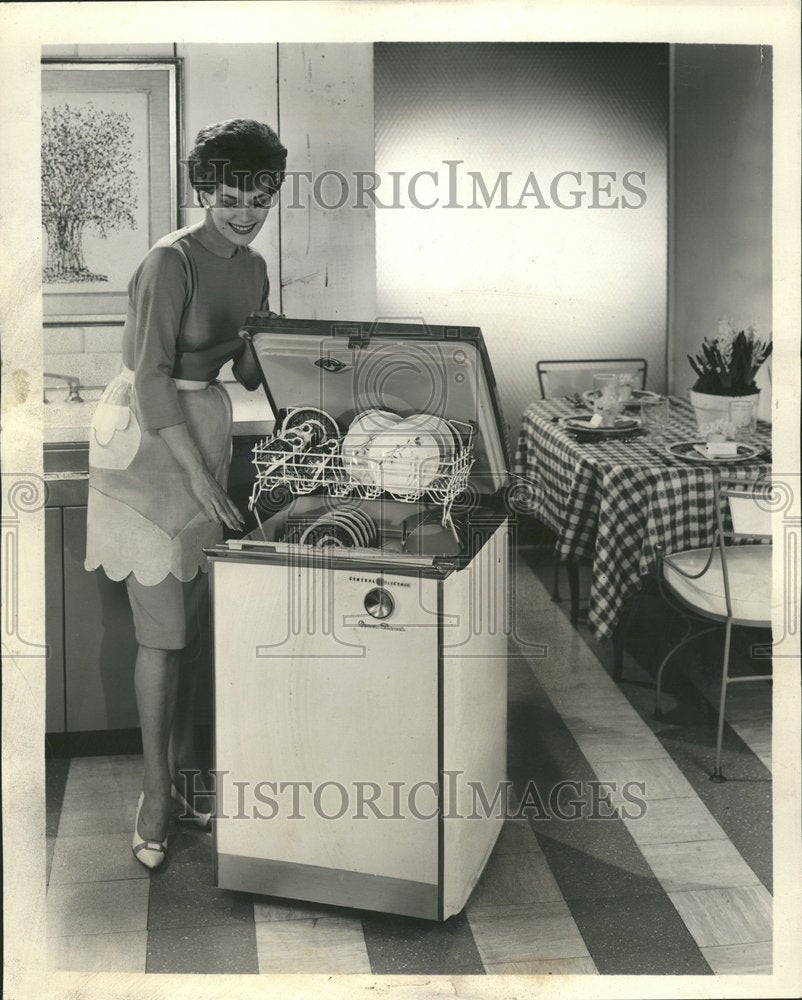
x,y
709,408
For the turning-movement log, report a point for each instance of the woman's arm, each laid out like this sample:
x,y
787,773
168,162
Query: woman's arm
x,y
246,370
210,494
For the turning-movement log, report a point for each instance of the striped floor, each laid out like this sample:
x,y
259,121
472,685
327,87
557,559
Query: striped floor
x,y
684,888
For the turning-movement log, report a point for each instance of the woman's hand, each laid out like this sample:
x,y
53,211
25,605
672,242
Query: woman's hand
x,y
216,503
208,492
246,370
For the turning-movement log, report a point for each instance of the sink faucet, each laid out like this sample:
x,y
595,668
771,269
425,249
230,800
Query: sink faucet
x,y
73,385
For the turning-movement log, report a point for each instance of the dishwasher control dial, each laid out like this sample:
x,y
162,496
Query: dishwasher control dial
x,y
378,603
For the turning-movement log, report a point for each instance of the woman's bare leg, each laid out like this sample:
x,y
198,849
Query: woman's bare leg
x,y
156,685
183,753
183,750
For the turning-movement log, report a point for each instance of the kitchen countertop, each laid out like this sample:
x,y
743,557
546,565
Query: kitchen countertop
x,y
70,422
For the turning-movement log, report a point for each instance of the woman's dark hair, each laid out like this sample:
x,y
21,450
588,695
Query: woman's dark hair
x,y
240,153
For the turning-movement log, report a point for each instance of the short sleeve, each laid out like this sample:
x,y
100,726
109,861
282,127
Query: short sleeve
x,y
158,293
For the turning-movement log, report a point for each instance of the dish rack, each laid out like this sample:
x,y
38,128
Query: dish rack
x,y
326,469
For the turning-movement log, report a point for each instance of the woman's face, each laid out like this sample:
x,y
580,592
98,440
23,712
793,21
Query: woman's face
x,y
236,214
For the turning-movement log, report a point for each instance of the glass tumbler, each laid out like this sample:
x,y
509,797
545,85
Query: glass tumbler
x,y
607,402
743,417
626,382
656,414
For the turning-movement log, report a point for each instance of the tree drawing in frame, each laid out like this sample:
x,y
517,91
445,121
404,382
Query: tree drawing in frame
x,y
87,181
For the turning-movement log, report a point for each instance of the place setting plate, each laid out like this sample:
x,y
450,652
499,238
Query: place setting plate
x,y
633,403
580,424
696,451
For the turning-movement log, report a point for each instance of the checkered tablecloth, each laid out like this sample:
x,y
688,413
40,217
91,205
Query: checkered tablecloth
x,y
612,502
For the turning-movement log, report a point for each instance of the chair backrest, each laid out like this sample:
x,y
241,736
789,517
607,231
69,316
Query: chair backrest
x,y
563,378
749,510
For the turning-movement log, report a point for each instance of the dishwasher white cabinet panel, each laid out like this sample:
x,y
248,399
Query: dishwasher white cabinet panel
x,y
477,607
298,698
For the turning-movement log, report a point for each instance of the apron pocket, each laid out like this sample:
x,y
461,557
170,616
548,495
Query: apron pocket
x,y
115,437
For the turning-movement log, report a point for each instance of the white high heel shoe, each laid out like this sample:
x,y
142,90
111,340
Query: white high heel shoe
x,y
150,853
191,815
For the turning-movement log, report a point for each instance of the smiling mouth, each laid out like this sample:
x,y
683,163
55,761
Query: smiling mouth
x,y
242,230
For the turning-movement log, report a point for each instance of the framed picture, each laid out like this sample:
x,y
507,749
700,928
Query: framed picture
x,y
111,179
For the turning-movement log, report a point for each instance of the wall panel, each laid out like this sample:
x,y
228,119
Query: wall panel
x,y
540,281
722,196
328,267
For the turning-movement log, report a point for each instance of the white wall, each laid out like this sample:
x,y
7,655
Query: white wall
x,y
328,255
721,193
541,282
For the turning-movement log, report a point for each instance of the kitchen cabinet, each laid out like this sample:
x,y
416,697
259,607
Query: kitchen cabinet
x,y
90,635
54,622
99,643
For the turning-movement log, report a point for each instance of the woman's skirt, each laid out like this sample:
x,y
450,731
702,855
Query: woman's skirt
x,y
142,518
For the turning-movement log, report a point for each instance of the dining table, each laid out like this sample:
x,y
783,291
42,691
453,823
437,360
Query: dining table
x,y
612,501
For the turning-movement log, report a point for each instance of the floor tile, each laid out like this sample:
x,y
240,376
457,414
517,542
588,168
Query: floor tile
x,y
545,967
88,814
663,961
100,858
592,707
330,945
749,702
516,878
56,771
204,950
740,959
726,916
756,734
610,743
182,893
660,778
709,864
100,795
97,908
267,908
50,849
637,936
123,952
596,860
516,837
524,933
672,821
409,946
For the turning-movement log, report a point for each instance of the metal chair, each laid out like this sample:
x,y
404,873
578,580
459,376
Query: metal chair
x,y
729,584
565,378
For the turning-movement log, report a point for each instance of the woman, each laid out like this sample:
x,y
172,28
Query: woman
x,y
161,442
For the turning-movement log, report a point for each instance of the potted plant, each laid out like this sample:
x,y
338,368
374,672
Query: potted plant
x,y
726,367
